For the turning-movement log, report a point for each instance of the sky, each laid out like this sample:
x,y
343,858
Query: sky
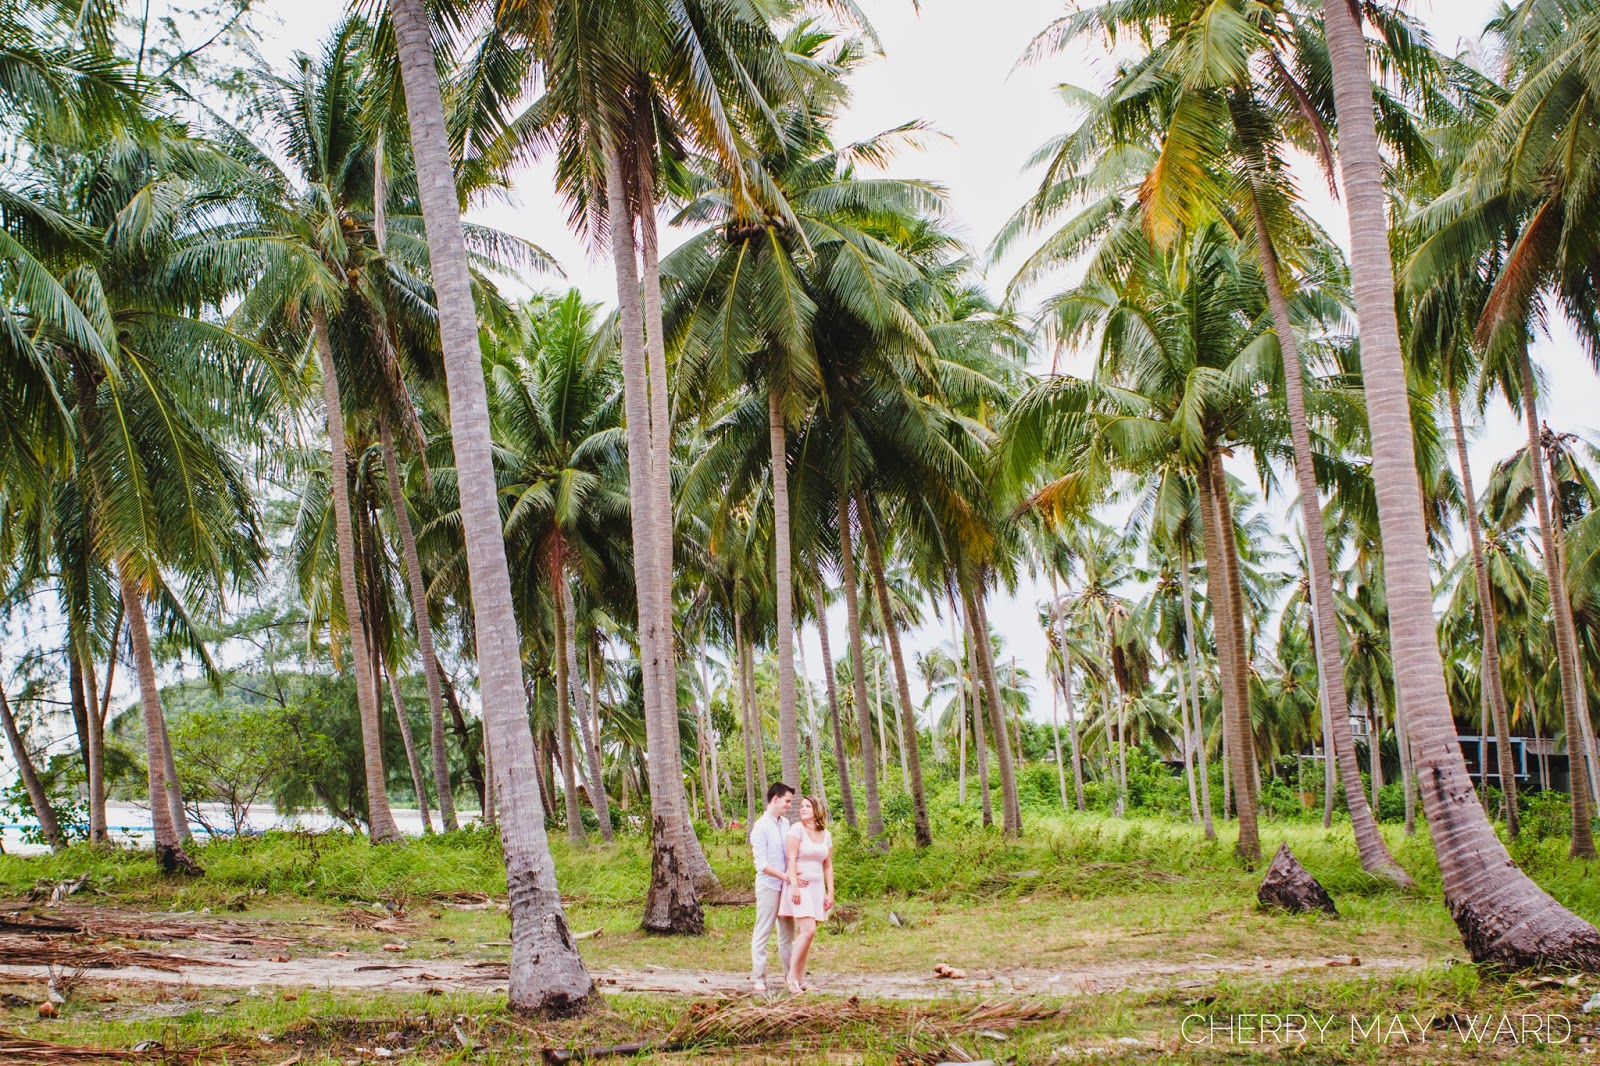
x,y
954,64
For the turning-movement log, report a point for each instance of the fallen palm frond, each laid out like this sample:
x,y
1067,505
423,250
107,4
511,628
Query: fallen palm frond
x,y
47,951
99,925
382,921
16,1049
739,1022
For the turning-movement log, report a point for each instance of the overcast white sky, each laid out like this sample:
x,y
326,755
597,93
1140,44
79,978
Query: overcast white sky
x,y
953,64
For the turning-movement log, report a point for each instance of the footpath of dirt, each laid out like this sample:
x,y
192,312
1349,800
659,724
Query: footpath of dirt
x,y
353,972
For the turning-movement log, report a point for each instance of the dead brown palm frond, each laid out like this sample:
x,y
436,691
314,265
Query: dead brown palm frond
x,y
51,951
16,1049
753,1022
89,923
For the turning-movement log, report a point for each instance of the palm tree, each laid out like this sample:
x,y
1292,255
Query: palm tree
x,y
546,972
1503,916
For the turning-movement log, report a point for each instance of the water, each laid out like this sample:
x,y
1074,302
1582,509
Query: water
x,y
129,824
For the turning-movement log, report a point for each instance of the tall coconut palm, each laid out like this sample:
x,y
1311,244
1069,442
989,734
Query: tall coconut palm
x,y
1502,915
546,972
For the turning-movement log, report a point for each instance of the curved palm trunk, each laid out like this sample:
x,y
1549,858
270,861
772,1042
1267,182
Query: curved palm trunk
x,y
1503,916
170,855
783,591
180,817
1561,618
587,738
1558,531
418,783
546,972
379,819
858,673
424,625
671,905
1235,694
847,798
979,742
1339,746
1194,697
49,827
910,753
1010,808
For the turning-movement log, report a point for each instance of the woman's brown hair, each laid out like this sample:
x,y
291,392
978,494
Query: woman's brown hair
x,y
819,811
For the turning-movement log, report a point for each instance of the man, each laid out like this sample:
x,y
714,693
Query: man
x,y
769,838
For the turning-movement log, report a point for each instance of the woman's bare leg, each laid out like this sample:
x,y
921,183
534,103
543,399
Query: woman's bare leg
x,y
805,931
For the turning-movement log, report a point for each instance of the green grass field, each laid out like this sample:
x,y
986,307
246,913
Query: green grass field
x,y
1112,932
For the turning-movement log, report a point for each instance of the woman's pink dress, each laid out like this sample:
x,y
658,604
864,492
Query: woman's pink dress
x,y
809,866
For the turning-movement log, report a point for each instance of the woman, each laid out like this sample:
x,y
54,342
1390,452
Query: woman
x,y
809,896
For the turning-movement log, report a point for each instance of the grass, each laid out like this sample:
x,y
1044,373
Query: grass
x,y
1078,895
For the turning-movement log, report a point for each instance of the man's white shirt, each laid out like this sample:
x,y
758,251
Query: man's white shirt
x,y
768,844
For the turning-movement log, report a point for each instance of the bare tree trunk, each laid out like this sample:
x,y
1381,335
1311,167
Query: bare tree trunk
x,y
1503,916
956,645
979,741
380,821
672,905
1011,810
38,798
1574,651
590,742
1057,686
1407,774
546,971
170,855
783,592
714,809
858,672
98,832
817,788
424,626
476,771
1561,618
1194,696
1188,744
910,753
569,776
1235,691
746,724
847,798
418,782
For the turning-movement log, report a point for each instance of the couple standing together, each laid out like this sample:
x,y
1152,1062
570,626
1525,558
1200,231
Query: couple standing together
x,y
794,882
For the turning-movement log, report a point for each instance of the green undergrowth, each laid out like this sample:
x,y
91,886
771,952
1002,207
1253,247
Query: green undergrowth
x,y
1082,857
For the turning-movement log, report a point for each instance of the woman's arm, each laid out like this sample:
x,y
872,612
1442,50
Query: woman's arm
x,y
793,845
827,878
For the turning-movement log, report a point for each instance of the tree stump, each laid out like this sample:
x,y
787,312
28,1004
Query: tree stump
x,y
1289,886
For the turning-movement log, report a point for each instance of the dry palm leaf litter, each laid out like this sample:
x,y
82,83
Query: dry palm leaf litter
x,y
923,1031
16,1049
58,951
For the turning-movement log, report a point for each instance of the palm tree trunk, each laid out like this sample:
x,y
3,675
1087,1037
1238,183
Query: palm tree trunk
x,y
1339,746
418,783
1057,685
590,742
476,772
979,742
757,722
1574,652
961,700
1408,775
1010,809
380,821
1188,745
1122,755
1229,538
49,827
1237,733
1072,734
1503,916
98,832
714,809
847,798
783,591
1561,618
569,776
1194,695
546,971
671,905
1374,741
746,725
910,753
858,672
424,625
815,731
170,855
